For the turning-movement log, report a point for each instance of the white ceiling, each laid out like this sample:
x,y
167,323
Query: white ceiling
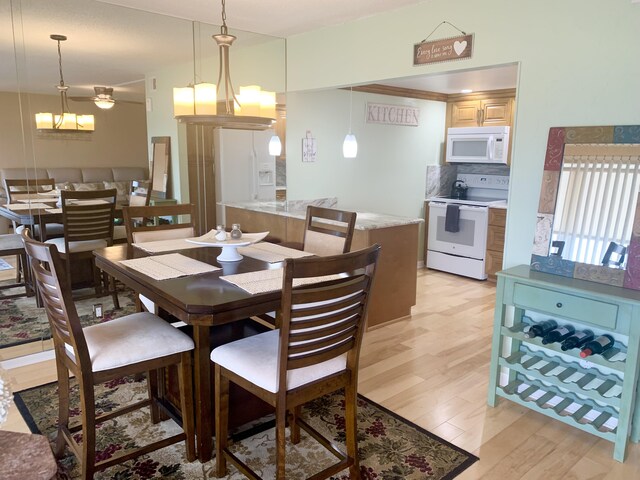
x,y
109,45
280,18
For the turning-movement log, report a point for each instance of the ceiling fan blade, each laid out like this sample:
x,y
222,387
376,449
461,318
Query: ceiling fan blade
x,y
129,101
82,99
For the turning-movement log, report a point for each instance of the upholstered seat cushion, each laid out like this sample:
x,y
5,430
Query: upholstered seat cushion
x,y
53,229
256,359
132,339
74,247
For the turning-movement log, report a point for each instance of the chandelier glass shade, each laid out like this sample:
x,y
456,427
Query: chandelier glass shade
x,y
218,104
65,121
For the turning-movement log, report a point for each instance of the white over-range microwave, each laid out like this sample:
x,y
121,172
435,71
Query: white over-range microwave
x,y
478,144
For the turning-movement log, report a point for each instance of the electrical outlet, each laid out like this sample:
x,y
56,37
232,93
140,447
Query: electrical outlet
x,y
97,310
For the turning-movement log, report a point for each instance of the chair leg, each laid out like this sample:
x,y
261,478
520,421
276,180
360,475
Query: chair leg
x,y
351,428
114,292
154,392
63,409
19,267
294,426
222,420
281,420
88,406
185,378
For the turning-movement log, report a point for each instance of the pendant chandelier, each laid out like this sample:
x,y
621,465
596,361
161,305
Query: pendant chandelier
x,y
66,121
202,103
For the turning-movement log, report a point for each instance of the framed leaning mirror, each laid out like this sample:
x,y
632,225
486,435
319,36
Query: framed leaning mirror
x,y
588,223
160,160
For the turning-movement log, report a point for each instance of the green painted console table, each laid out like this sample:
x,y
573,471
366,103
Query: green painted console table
x,y
597,395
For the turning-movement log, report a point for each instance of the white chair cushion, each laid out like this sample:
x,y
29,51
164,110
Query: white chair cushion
x,y
256,359
119,232
84,246
52,229
132,339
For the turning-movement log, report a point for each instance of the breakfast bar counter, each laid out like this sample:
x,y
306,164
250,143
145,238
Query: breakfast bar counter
x,y
394,291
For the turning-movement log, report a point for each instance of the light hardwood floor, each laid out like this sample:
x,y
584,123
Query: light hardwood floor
x,y
432,368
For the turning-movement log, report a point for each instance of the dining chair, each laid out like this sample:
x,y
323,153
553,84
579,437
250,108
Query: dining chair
x,y
182,226
328,231
315,351
31,189
142,225
88,224
133,344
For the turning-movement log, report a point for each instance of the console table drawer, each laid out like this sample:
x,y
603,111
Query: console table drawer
x,y
565,305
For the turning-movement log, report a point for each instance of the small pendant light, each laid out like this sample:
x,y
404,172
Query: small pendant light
x,y
275,146
350,144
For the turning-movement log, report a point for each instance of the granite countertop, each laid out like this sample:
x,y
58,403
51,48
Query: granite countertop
x,y
295,209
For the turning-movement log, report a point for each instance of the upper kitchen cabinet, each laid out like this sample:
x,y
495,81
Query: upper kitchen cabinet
x,y
493,108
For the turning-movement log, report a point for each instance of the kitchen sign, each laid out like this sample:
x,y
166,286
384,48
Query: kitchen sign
x,y
443,50
392,114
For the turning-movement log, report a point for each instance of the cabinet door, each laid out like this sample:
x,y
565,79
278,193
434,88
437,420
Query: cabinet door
x,y
493,264
496,112
495,238
465,114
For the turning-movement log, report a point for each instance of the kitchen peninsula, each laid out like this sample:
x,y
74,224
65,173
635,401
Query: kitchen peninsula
x,y
394,291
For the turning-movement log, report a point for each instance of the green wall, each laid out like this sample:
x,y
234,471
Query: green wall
x,y
578,66
389,174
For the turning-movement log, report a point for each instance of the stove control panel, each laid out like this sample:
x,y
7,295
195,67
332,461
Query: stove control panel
x,y
474,180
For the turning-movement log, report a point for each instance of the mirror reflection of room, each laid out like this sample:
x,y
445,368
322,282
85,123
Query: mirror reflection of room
x,y
596,203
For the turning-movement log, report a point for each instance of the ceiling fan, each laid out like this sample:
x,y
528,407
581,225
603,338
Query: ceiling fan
x,y
103,98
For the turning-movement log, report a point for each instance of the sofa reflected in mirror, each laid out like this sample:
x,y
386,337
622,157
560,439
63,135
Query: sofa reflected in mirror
x,y
588,224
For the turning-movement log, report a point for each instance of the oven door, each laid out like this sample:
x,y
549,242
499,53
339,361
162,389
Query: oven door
x,y
470,241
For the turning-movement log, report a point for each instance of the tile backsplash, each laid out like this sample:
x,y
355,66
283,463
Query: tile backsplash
x,y
440,178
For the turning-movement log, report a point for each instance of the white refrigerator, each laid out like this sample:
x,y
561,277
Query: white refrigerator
x,y
244,170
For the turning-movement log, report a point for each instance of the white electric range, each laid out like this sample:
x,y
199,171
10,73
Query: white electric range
x,y
457,237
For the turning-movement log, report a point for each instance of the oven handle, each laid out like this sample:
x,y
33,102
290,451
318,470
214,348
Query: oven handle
x,y
462,207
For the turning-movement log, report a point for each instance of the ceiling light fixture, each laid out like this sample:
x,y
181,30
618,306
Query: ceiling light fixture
x,y
251,109
466,90
66,121
350,144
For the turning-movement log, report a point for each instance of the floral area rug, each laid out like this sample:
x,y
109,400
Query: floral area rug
x,y
21,321
390,447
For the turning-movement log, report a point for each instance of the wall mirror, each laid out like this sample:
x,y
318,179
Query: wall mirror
x,y
160,161
588,223
142,55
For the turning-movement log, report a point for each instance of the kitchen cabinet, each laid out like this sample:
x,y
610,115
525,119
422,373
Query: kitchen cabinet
x,y
596,394
394,291
481,112
495,242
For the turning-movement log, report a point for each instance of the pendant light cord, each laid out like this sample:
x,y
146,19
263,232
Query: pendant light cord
x,y
350,107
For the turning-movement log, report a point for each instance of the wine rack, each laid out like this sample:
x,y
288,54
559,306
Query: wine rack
x,y
596,396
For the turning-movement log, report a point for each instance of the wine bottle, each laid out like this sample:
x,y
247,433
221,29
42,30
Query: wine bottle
x,y
541,329
558,334
577,340
598,346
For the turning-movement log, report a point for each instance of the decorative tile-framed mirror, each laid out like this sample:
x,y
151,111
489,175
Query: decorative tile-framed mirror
x,y
589,205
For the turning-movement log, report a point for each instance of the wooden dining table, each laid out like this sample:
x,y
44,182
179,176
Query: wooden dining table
x,y
203,301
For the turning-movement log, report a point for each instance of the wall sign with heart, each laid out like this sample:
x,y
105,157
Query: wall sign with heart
x,y
443,50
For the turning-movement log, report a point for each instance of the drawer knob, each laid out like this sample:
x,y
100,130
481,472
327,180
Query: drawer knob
x,y
559,304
